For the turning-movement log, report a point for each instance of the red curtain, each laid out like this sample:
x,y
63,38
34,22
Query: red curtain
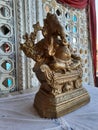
x,y
92,23
93,33
75,3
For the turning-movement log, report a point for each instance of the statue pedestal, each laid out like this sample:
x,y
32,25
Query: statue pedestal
x,y
54,106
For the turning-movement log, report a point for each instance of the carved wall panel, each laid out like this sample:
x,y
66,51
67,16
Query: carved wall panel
x,y
7,48
17,18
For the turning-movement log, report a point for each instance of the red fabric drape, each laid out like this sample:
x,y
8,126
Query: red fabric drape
x,y
75,3
92,27
92,23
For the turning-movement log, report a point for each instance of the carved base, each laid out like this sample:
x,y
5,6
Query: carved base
x,y
54,106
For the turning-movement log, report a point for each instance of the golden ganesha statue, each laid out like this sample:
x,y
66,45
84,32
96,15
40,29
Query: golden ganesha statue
x,y
58,69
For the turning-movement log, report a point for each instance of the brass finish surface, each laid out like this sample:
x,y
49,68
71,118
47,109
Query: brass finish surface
x,y
50,106
58,68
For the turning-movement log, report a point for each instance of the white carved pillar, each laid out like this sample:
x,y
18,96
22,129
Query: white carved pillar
x,y
33,12
20,30
27,18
